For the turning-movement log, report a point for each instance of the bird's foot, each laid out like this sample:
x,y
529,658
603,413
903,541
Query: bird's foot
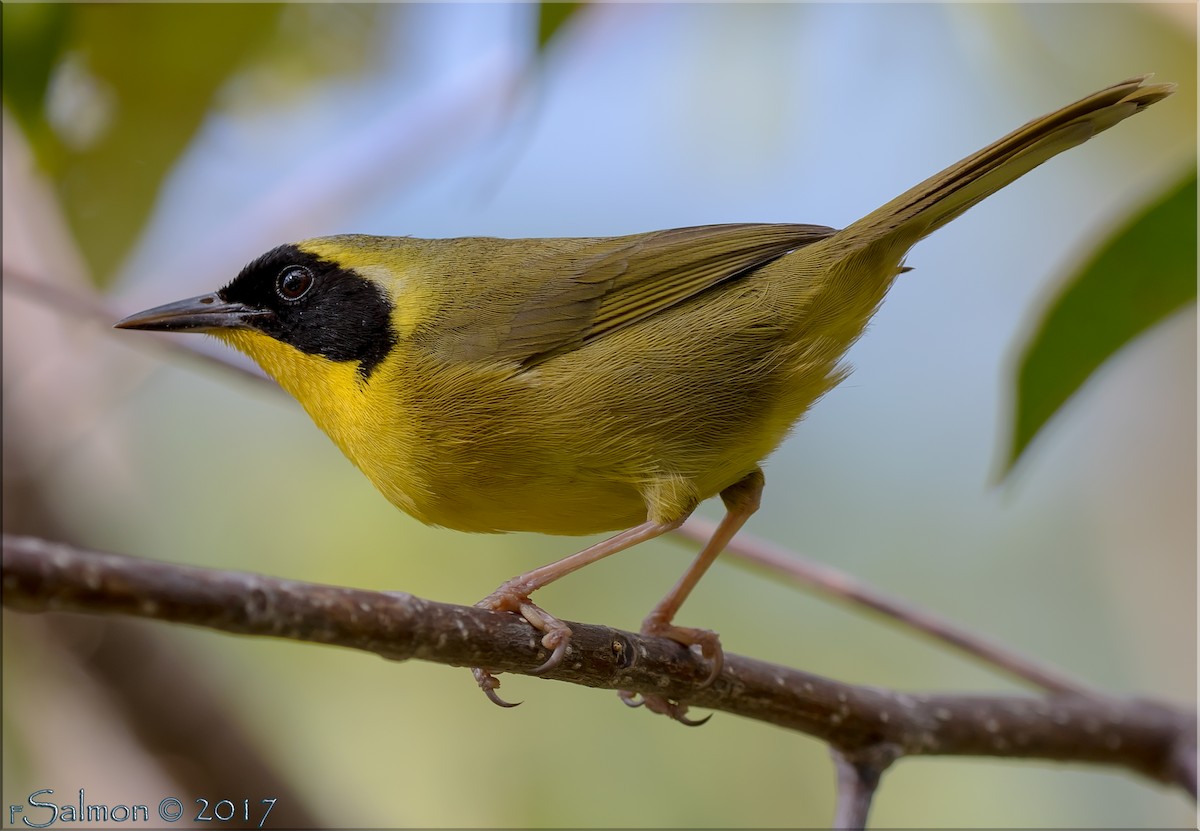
x,y
708,641
556,635
710,647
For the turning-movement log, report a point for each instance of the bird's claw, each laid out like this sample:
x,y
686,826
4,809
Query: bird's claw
x,y
556,636
630,699
710,648
488,683
688,722
557,641
675,710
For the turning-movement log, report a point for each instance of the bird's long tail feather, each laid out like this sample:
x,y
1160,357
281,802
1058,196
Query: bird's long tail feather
x,y
944,196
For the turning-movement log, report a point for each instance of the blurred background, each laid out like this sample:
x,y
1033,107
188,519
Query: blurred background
x,y
151,151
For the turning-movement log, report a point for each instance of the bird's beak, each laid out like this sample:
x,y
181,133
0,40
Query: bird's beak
x,y
200,314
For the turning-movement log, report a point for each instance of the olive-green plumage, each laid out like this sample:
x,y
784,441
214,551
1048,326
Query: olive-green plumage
x,y
573,395
571,386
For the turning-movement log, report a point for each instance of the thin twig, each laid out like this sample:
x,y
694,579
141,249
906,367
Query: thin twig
x,y
858,778
1150,738
838,584
820,578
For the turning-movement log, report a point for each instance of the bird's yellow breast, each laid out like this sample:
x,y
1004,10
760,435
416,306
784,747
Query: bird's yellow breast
x,y
445,444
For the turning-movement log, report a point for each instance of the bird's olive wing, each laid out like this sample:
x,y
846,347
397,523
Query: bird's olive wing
x,y
577,293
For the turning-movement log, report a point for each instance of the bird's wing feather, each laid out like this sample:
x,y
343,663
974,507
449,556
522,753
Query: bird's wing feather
x,y
559,300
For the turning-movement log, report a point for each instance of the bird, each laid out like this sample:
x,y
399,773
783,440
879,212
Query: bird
x,y
584,385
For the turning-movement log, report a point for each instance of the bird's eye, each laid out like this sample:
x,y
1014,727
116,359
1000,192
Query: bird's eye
x,y
293,282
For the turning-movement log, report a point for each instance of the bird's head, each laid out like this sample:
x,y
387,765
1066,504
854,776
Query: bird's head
x,y
297,310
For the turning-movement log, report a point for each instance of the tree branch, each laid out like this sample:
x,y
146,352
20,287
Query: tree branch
x,y
863,724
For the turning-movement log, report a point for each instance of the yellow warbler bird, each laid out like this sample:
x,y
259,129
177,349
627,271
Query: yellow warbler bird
x,y
573,386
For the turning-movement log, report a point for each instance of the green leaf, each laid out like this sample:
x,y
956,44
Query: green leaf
x,y
551,18
1140,275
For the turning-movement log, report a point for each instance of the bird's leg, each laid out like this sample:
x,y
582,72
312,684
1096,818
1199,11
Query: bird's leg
x,y
513,596
741,500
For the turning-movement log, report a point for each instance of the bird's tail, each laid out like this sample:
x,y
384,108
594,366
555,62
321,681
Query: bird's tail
x,y
923,209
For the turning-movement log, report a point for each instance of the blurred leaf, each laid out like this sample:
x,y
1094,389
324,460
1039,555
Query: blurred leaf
x,y
34,36
1139,276
551,18
141,79
312,42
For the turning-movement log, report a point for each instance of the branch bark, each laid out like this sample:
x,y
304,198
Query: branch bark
x,y
1150,738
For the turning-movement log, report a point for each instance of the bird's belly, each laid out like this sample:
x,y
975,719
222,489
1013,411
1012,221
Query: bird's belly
x,y
571,506
512,497
554,487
